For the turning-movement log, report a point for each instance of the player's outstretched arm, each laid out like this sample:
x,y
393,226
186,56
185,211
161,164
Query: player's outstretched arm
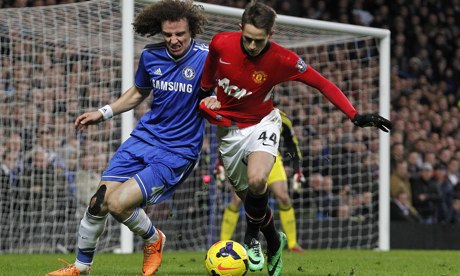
x,y
312,78
130,99
372,120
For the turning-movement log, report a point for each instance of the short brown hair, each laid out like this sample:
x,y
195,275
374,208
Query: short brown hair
x,y
148,22
259,15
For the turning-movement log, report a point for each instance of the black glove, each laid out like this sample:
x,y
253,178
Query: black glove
x,y
372,120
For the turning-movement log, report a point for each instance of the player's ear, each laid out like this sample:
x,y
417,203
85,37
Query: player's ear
x,y
241,27
271,34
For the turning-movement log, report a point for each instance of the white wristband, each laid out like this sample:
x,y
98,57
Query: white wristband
x,y
106,111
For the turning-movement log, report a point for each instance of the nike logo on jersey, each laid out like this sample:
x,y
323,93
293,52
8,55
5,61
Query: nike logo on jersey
x,y
158,72
223,62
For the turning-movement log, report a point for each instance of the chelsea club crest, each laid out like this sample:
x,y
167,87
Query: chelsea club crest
x,y
188,73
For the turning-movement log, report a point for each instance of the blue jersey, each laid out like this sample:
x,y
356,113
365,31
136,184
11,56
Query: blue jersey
x,y
173,122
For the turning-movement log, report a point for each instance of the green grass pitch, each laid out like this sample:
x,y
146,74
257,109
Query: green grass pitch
x,y
312,262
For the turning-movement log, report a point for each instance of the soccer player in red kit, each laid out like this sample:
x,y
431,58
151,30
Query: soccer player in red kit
x,y
244,67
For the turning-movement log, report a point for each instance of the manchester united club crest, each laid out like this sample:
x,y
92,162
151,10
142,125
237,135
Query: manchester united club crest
x,y
259,77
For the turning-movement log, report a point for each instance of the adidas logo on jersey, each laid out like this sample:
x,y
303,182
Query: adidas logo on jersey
x,y
158,72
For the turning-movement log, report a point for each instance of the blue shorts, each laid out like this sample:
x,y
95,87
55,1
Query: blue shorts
x,y
157,171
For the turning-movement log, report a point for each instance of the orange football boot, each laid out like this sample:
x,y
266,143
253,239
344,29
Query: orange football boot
x,y
67,270
153,253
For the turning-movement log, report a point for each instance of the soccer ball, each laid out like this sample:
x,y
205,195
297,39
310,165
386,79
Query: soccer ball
x,y
226,258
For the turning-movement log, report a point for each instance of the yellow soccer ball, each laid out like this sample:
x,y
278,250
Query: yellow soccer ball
x,y
226,258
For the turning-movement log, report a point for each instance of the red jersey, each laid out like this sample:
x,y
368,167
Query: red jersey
x,y
245,83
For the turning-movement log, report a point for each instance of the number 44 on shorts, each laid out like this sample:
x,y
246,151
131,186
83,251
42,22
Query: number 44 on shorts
x,y
271,141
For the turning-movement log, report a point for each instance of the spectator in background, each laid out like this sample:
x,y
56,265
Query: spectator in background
x,y
312,195
430,157
445,189
315,160
397,154
344,201
445,156
414,162
453,173
87,177
399,181
401,210
425,194
326,199
455,211
363,207
344,159
13,157
14,143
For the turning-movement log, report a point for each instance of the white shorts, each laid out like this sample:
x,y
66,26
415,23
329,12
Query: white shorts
x,y
236,144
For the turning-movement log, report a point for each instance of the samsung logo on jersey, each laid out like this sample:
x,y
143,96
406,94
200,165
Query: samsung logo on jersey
x,y
172,86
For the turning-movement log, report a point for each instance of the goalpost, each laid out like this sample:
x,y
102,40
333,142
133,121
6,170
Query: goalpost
x,y
60,61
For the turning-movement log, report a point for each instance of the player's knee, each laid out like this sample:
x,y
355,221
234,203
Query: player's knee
x,y
257,187
284,201
257,183
114,207
97,201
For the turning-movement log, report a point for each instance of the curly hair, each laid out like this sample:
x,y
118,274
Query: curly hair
x,y
149,20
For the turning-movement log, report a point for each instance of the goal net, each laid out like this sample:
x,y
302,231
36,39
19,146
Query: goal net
x,y
60,61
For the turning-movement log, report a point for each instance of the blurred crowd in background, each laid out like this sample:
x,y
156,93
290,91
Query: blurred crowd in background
x,y
425,102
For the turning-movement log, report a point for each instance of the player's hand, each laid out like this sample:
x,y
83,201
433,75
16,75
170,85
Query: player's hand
x,y
209,109
211,103
219,175
219,172
88,118
297,180
372,120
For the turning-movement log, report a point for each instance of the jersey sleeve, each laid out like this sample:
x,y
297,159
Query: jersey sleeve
x,y
298,70
314,79
210,66
142,77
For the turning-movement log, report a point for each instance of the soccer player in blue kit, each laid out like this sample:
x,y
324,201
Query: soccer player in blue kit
x,y
166,143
